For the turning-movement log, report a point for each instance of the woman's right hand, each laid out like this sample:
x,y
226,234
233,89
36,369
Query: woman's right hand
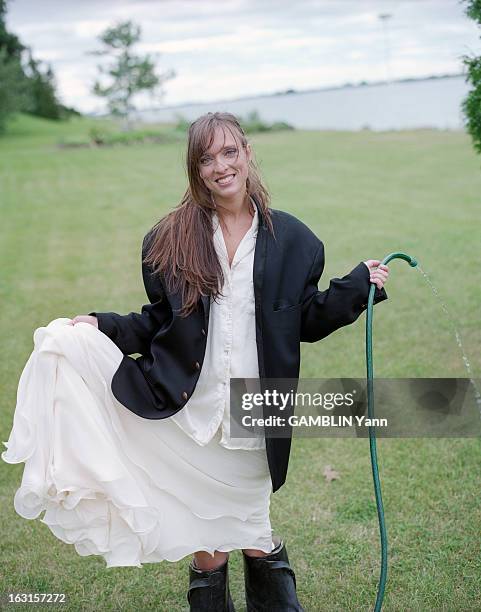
x,y
85,319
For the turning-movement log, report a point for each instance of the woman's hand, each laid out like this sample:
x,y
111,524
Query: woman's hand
x,y
85,319
378,275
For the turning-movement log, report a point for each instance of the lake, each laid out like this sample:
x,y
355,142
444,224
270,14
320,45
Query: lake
x,y
399,105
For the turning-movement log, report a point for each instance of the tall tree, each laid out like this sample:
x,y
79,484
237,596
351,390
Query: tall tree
x,y
472,103
14,87
129,74
24,86
15,94
8,41
42,87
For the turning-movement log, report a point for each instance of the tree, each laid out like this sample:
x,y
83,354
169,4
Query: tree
x,y
12,45
472,103
14,93
42,87
24,86
129,74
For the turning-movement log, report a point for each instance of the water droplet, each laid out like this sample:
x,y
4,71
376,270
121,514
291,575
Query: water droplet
x,y
467,365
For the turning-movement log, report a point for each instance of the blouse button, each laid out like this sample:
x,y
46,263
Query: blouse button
x,y
184,395
197,365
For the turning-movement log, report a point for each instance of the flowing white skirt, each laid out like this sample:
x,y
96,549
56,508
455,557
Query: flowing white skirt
x,y
114,484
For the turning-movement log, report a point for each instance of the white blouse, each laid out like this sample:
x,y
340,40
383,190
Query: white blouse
x,y
231,350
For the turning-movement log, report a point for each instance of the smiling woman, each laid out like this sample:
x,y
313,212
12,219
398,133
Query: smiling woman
x,y
223,179
132,459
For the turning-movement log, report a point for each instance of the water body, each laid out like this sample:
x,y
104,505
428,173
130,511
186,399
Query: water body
x,y
399,105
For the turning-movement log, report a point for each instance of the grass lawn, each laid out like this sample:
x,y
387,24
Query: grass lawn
x,y
72,221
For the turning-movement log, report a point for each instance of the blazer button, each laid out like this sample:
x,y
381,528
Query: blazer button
x,y
184,395
197,365
203,331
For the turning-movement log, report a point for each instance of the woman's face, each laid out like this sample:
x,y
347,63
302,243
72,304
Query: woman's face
x,y
224,166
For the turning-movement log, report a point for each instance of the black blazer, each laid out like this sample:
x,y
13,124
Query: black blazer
x,y
289,309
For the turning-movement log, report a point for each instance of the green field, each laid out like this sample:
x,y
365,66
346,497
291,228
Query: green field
x,y
72,222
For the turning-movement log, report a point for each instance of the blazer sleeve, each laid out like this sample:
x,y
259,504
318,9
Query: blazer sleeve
x,y
133,333
341,304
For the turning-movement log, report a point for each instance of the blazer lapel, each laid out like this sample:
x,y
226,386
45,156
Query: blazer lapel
x,y
259,257
258,278
206,304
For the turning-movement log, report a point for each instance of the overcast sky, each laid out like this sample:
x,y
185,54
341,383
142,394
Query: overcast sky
x,y
222,49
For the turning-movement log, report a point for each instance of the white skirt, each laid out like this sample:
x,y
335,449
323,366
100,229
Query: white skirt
x,y
114,484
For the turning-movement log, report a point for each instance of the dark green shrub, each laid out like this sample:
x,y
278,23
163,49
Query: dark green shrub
x,y
472,103
251,124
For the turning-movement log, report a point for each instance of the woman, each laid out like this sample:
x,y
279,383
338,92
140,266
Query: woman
x,y
232,286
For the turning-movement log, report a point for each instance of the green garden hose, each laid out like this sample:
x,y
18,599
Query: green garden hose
x,y
372,433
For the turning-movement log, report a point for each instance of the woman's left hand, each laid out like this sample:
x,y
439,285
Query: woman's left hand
x,y
379,272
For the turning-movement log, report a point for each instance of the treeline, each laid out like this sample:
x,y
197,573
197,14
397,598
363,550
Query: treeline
x,y
25,85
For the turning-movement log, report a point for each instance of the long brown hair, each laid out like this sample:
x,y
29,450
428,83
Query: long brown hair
x,y
181,243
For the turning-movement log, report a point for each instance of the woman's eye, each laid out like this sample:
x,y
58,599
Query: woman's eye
x,y
229,153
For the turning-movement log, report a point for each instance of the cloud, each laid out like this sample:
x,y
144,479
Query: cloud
x,y
240,47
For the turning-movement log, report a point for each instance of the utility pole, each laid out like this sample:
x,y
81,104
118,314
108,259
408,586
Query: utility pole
x,y
384,17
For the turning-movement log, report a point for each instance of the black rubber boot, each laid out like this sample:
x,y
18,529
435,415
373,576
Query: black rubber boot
x,y
270,582
209,589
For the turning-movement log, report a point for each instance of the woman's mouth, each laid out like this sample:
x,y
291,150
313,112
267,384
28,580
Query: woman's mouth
x,y
225,180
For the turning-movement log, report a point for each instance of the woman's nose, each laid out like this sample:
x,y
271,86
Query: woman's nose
x,y
219,166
